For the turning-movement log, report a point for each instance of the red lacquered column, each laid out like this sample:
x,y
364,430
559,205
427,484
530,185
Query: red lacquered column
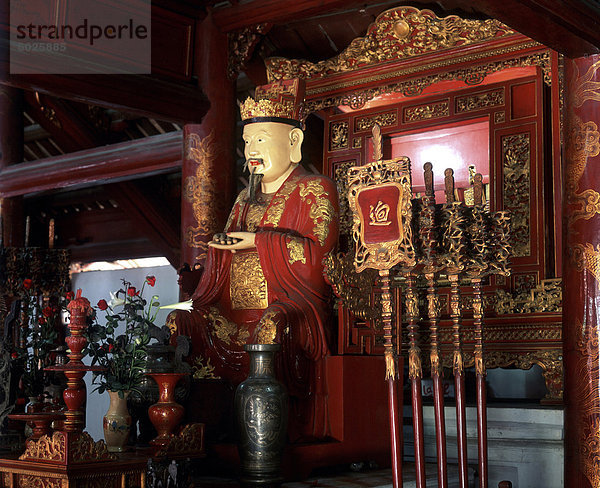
x,y
12,228
581,272
209,150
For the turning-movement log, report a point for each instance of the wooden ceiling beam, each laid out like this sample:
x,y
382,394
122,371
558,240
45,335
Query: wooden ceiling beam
x,y
116,162
143,95
569,27
68,129
276,11
150,219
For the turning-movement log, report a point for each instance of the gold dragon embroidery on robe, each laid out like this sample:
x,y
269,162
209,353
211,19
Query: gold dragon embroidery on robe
x,y
321,210
248,285
226,330
295,250
275,210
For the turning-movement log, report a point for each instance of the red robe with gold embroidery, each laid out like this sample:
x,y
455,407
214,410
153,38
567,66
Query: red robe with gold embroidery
x,y
297,228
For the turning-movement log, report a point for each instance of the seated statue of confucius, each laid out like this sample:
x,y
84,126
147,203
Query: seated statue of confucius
x,y
263,278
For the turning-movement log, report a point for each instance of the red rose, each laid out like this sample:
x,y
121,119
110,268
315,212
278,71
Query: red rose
x,y
14,355
41,320
47,312
110,347
70,295
27,284
102,305
131,291
151,280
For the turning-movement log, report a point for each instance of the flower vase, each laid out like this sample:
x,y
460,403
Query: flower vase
x,y
166,414
261,411
160,359
117,422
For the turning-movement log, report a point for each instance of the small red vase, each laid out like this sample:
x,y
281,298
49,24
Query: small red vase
x,y
165,414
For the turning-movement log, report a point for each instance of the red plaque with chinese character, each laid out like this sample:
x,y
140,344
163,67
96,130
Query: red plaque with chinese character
x,y
379,209
379,196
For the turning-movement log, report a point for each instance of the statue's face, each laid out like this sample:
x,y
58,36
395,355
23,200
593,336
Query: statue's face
x,y
268,149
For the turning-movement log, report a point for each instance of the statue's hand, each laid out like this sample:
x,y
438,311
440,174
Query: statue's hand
x,y
233,241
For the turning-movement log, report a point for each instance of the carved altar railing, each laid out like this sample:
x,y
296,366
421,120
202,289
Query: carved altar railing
x,y
521,329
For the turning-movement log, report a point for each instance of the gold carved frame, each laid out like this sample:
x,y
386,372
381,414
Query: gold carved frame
x,y
385,255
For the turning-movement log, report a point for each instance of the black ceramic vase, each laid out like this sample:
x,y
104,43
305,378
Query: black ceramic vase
x,y
261,411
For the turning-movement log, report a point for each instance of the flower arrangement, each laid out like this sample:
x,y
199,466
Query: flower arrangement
x,y
119,346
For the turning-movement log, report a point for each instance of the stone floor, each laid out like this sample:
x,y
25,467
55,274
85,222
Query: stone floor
x,y
340,478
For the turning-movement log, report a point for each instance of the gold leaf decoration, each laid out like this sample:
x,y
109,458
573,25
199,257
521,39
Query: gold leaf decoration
x,y
399,33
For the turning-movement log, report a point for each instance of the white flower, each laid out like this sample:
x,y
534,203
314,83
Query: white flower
x,y
114,301
187,305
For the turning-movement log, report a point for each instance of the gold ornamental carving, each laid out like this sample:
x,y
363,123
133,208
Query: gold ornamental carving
x,y
203,369
589,205
412,86
275,210
590,451
396,34
267,328
338,135
584,88
226,330
341,182
587,257
256,212
31,481
545,297
199,190
321,209
352,288
525,281
480,101
48,448
499,117
549,360
190,440
426,112
517,333
383,120
397,175
84,449
295,250
248,285
516,154
99,482
587,370
240,200
241,43
583,142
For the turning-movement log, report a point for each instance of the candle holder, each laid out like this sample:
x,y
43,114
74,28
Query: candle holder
x,y
72,444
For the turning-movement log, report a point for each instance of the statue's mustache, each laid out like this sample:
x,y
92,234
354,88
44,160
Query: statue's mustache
x,y
252,162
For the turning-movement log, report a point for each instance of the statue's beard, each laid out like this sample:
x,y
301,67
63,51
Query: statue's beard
x,y
255,179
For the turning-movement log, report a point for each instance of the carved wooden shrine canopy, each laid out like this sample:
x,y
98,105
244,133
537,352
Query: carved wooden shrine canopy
x,y
410,59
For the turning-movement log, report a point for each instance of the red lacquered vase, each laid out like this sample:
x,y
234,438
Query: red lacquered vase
x,y
166,414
